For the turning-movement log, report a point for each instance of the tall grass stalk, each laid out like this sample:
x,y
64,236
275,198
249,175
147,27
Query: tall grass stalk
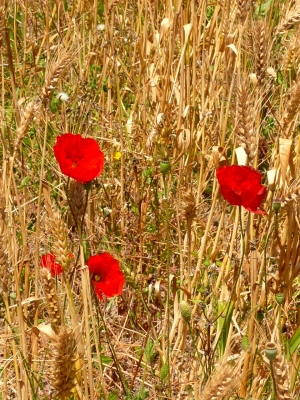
x,y
202,85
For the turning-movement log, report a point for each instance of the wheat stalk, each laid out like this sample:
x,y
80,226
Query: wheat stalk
x,y
3,265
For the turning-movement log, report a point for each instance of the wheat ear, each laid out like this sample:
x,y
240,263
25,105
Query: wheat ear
x,y
222,383
60,244
291,109
51,298
56,70
260,49
26,117
2,21
280,375
292,192
77,200
245,123
63,371
289,21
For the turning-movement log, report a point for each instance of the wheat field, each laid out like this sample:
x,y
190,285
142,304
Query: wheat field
x,y
171,92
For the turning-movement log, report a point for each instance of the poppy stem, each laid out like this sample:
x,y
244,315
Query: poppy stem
x,y
242,255
87,189
113,353
73,215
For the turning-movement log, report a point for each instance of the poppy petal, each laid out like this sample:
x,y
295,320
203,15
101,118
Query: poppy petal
x,y
48,261
107,278
241,186
79,158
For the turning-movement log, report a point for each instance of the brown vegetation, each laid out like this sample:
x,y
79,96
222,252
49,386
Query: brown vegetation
x,y
190,85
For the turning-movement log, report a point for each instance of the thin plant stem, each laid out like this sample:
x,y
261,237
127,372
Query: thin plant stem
x,y
273,379
238,272
168,281
265,257
112,350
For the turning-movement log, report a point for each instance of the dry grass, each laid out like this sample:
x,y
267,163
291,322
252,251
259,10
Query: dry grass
x,y
194,84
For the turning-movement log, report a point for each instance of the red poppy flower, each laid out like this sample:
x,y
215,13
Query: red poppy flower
x,y
48,261
106,275
79,158
241,186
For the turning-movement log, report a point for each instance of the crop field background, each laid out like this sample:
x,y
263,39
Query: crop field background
x,y
171,91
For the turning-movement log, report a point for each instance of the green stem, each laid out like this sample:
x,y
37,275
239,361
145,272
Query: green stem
x,y
168,284
197,350
273,379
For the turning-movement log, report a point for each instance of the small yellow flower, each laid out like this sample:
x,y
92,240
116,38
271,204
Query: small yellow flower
x,y
117,155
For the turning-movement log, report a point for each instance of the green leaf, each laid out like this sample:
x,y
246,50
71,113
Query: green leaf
x,y
245,343
164,372
113,396
279,77
143,394
86,248
294,342
106,360
262,9
224,323
150,350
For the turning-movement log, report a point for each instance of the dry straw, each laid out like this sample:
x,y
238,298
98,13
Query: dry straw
x,y
3,265
3,247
